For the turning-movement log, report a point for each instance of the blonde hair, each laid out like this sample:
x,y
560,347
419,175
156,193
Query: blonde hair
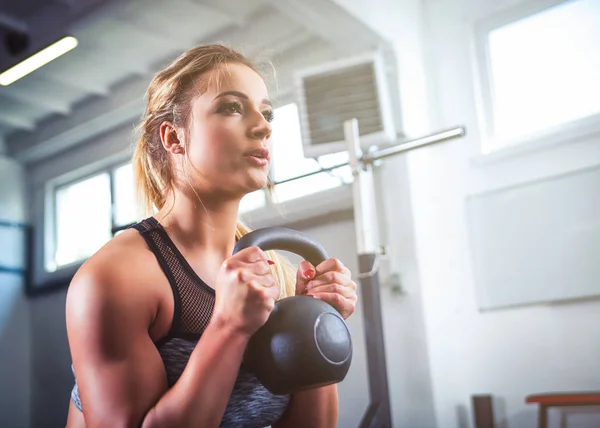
x,y
169,98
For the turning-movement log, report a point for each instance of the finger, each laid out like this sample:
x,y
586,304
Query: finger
x,y
329,278
262,295
306,271
342,289
263,281
332,265
265,290
342,304
260,267
273,291
251,255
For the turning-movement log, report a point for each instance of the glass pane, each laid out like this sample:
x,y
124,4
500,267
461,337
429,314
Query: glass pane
x,y
252,201
83,221
309,185
126,210
289,161
545,69
288,158
333,159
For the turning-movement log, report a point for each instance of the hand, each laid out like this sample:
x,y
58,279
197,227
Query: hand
x,y
331,282
245,291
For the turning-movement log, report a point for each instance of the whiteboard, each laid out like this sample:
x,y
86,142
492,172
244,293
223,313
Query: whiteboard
x,y
537,242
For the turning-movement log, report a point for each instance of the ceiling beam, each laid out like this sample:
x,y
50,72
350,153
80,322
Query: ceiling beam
x,y
15,121
260,37
296,39
133,67
331,22
123,115
38,99
238,11
79,83
125,105
88,121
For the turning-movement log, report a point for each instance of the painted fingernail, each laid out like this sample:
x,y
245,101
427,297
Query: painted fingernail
x,y
309,274
271,262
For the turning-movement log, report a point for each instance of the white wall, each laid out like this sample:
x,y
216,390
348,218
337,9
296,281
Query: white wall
x,y
14,316
509,353
401,23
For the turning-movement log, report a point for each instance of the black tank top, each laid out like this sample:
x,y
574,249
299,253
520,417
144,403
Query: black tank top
x,y
250,404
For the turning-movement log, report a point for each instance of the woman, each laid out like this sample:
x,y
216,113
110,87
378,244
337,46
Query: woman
x,y
158,319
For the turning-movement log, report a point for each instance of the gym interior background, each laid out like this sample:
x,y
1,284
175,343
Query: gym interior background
x,y
489,283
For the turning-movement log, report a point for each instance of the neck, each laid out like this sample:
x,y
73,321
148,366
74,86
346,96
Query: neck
x,y
200,222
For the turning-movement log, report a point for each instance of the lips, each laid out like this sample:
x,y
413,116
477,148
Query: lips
x,y
259,153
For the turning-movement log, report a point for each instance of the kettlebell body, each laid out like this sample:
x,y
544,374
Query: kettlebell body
x,y
305,343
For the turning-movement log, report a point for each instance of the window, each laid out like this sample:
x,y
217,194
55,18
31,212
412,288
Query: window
x,y
289,166
543,70
253,201
289,161
90,211
125,209
82,213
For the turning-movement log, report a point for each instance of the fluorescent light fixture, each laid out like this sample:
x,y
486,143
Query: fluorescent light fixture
x,y
38,60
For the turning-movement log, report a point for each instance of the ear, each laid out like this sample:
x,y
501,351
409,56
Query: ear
x,y
170,138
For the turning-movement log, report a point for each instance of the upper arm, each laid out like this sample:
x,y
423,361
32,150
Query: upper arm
x,y
119,371
316,408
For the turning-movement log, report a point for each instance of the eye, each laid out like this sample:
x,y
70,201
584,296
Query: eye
x,y
269,115
230,108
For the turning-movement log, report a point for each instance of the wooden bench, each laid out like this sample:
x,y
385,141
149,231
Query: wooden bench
x,y
568,399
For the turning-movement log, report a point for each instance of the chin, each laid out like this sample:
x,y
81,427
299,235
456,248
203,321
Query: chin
x,y
256,182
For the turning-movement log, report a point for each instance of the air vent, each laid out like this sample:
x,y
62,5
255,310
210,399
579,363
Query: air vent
x,y
336,92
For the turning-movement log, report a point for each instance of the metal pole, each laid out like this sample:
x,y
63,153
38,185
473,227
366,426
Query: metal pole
x,y
428,140
378,412
401,147
365,215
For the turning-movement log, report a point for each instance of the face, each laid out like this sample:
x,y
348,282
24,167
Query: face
x,y
228,145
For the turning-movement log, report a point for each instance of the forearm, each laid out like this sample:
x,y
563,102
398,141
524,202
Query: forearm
x,y
201,394
316,408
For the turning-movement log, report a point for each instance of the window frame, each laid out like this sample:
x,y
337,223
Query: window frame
x,y
491,146
50,207
316,205
115,228
313,205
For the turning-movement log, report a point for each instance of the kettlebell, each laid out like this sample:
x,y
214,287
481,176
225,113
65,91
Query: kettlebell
x,y
305,343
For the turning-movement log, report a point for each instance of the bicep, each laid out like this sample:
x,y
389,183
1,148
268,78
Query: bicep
x,y
316,408
119,371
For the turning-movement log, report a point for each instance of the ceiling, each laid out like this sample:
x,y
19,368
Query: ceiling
x,y
100,85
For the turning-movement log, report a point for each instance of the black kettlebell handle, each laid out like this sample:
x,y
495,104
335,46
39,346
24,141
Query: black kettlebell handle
x,y
282,238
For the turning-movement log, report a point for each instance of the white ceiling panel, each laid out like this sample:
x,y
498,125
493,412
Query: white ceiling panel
x,y
102,82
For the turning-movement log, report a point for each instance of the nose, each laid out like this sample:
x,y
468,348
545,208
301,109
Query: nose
x,y
262,129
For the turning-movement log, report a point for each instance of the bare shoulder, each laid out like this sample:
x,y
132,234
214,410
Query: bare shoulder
x,y
118,276
119,257
112,304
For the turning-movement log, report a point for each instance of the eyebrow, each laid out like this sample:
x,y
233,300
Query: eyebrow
x,y
242,95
